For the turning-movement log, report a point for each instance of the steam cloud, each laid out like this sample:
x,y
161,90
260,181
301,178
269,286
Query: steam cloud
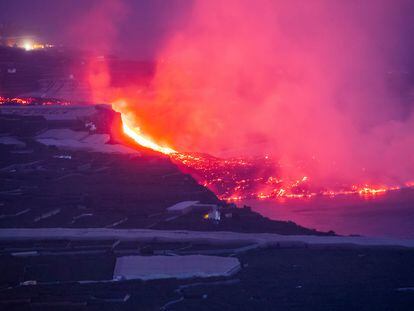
x,y
302,81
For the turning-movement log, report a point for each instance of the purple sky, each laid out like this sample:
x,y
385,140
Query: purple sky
x,y
145,23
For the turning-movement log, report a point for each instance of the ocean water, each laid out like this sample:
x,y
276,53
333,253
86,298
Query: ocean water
x,y
387,215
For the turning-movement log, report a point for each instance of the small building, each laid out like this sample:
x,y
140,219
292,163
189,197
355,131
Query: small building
x,y
183,207
214,215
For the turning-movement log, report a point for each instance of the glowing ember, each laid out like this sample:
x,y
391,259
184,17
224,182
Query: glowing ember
x,y
29,101
15,100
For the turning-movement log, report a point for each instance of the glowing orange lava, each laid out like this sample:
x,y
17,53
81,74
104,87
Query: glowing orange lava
x,y
235,179
223,176
141,139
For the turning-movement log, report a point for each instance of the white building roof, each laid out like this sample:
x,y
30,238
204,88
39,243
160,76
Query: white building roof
x,y
81,140
181,267
181,206
8,140
63,134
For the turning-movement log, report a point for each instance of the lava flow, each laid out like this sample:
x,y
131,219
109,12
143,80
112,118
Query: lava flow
x,y
31,101
236,179
141,139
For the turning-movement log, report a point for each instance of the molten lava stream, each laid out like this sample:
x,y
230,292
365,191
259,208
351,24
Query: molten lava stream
x,y
224,178
139,138
227,177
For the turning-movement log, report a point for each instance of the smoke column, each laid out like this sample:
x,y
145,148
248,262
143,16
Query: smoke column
x,y
306,82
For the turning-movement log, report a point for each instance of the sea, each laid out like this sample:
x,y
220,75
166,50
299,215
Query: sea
x,y
386,215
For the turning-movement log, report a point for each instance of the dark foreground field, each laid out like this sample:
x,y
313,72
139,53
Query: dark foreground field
x,y
271,279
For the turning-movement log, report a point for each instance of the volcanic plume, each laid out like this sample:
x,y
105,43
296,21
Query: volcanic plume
x,y
306,83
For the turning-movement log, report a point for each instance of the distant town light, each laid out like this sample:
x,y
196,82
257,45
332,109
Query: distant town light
x,y
28,45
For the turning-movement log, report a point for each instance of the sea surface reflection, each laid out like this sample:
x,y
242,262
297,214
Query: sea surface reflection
x,y
388,215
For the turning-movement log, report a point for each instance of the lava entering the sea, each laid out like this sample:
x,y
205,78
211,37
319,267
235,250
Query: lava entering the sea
x,y
238,178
